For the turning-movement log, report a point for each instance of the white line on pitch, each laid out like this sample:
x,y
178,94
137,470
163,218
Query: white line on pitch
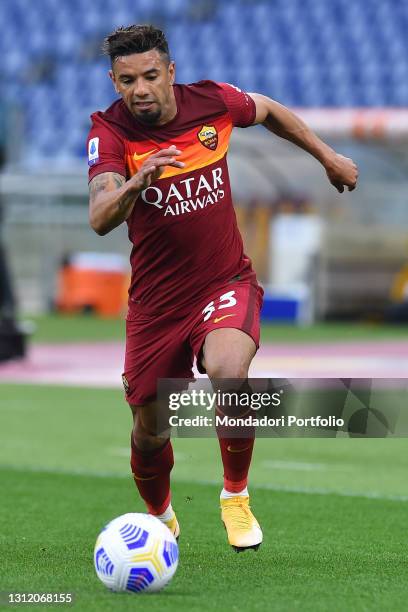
x,y
301,466
120,451
263,487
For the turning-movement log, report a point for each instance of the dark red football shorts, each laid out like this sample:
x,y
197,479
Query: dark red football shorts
x,y
164,346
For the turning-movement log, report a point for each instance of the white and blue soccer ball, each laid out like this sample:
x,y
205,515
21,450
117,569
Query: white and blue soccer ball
x,y
135,553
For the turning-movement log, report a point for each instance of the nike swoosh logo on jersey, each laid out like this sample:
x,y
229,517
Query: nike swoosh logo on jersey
x,y
137,157
218,319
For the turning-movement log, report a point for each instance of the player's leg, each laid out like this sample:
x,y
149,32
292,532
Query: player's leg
x,y
225,339
227,354
154,349
151,462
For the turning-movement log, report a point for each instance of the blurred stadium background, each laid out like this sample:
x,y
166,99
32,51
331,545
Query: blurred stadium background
x,y
342,65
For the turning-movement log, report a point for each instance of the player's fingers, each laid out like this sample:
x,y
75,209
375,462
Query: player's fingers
x,y
166,161
353,183
146,177
152,169
339,187
177,164
149,166
151,174
166,152
147,170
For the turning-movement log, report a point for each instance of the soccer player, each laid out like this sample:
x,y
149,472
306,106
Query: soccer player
x,y
157,160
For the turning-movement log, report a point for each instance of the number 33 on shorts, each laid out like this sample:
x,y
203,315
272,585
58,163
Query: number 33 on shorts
x,y
226,300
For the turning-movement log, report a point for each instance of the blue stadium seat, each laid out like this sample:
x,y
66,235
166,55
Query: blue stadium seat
x,y
301,52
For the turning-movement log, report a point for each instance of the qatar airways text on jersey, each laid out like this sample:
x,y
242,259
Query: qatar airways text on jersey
x,y
187,195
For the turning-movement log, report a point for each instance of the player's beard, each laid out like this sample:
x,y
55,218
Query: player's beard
x,y
149,117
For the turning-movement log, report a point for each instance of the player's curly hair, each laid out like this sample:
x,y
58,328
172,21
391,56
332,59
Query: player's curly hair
x,y
135,39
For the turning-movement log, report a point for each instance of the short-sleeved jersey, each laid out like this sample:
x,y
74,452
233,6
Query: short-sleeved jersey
x,y
183,227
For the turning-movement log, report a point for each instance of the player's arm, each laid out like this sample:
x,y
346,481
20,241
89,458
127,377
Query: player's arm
x,y
112,198
341,171
110,201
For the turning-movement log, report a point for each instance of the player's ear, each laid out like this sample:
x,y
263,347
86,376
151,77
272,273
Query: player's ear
x,y
172,72
112,77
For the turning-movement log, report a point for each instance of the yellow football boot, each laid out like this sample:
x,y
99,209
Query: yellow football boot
x,y
242,527
173,525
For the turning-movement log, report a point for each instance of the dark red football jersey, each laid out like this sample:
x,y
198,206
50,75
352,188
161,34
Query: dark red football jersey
x,y
183,227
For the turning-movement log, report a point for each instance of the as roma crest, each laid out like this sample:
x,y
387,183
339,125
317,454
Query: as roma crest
x,y
208,136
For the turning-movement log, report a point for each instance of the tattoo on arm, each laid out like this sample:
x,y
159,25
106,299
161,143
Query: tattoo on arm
x,y
107,181
118,179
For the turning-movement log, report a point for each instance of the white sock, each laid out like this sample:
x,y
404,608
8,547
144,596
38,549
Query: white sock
x,y
167,514
227,494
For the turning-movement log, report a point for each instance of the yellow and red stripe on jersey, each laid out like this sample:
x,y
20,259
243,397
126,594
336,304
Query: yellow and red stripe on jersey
x,y
194,153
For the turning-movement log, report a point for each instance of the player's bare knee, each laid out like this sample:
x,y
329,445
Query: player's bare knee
x,y
227,369
227,353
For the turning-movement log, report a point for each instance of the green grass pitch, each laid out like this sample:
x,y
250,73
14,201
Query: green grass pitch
x,y
333,512
58,328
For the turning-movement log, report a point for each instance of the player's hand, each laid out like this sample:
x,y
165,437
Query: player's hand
x,y
342,172
153,167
